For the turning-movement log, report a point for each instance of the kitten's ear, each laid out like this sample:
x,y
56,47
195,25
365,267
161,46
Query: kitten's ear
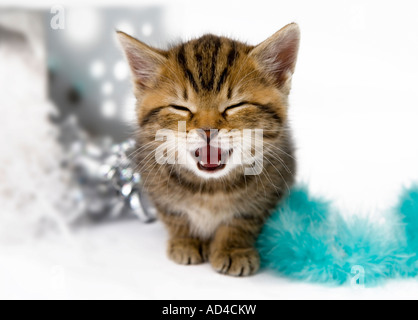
x,y
278,54
145,62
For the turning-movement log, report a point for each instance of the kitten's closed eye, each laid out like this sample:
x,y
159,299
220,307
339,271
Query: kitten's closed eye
x,y
230,108
235,107
180,108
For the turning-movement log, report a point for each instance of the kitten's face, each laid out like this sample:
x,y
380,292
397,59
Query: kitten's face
x,y
215,89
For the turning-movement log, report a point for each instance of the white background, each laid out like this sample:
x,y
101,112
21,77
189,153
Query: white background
x,y
354,109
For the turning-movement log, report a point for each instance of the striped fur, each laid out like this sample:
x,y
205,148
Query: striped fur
x,y
215,83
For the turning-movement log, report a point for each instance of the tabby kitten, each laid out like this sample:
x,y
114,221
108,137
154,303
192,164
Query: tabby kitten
x,y
213,210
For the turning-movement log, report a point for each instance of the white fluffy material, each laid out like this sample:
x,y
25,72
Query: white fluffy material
x,y
30,179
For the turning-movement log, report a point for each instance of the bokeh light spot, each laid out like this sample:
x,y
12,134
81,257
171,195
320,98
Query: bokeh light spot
x,y
107,88
83,25
97,69
108,109
147,29
121,70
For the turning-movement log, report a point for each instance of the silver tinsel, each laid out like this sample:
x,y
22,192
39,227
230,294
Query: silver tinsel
x,y
103,180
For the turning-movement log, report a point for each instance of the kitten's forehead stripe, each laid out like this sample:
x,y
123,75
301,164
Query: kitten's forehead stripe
x,y
222,79
229,96
232,55
206,52
181,58
191,79
207,62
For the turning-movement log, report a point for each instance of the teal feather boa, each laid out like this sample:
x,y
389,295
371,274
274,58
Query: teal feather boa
x,y
307,239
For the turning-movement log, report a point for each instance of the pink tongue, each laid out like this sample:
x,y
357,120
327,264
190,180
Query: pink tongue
x,y
210,156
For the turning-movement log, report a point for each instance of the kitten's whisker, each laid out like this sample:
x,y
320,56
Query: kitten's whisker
x,y
136,151
141,162
161,165
276,147
266,175
279,149
284,180
261,182
276,156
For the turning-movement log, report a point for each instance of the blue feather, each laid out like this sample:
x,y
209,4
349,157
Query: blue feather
x,y
307,239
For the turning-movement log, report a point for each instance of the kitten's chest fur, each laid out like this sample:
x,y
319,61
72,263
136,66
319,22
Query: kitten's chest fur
x,y
206,212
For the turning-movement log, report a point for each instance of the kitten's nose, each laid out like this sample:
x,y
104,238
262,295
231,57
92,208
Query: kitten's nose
x,y
206,152
210,134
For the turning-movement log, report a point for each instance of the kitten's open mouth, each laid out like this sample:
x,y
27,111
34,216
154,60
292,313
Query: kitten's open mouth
x,y
212,159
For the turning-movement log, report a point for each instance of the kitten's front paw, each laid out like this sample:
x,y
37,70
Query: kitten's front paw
x,y
187,251
236,262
